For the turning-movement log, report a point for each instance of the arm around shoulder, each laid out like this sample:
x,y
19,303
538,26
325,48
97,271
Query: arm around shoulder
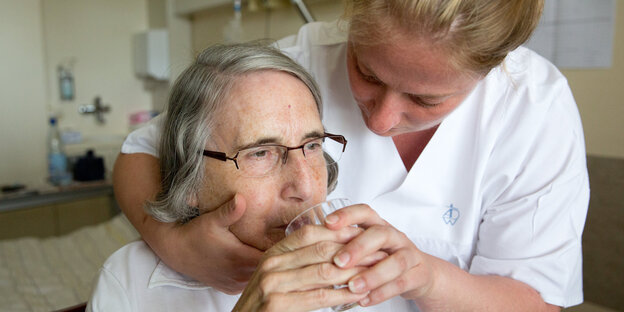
x,y
136,179
202,248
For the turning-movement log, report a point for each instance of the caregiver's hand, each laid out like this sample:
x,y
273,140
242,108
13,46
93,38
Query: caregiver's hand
x,y
433,284
297,274
203,248
406,271
206,250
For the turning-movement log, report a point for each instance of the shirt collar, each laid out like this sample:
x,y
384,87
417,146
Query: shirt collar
x,y
165,276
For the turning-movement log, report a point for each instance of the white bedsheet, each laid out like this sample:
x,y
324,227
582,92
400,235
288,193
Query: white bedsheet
x,y
57,272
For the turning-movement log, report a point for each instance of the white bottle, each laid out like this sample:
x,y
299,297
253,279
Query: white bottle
x,y
57,161
233,31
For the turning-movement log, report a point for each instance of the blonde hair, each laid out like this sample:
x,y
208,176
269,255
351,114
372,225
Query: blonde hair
x,y
476,35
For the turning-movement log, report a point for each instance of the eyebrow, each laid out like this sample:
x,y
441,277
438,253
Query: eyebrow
x,y
276,140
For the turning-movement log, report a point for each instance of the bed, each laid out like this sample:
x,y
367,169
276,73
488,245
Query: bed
x,y
55,273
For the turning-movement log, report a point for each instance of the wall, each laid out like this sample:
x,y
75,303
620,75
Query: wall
x,y
98,35
157,13
599,94
22,92
180,40
37,35
603,239
208,25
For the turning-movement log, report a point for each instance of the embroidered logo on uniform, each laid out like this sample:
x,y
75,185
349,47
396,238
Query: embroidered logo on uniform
x,y
451,215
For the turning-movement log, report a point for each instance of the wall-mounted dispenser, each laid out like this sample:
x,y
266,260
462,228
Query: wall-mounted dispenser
x,y
66,81
151,54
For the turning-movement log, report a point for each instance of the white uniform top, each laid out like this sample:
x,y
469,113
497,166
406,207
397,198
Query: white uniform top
x,y
134,279
502,186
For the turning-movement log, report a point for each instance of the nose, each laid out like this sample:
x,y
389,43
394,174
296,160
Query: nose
x,y
299,178
384,113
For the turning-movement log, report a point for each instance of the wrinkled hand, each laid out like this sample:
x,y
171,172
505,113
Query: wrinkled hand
x,y
297,274
206,250
406,270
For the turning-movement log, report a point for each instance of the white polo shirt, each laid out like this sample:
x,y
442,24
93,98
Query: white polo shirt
x,y
502,186
134,279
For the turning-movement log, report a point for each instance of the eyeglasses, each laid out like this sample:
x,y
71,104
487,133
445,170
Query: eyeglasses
x,y
263,159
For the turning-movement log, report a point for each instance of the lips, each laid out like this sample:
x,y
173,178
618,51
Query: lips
x,y
282,227
274,235
277,230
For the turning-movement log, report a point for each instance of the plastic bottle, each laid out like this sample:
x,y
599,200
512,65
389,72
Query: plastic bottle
x,y
233,31
57,160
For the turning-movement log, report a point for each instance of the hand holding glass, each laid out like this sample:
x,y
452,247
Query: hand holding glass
x,y
316,215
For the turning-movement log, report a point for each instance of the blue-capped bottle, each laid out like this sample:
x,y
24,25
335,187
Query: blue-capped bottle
x,y
57,160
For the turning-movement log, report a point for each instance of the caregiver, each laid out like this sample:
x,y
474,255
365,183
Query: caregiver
x,y
466,149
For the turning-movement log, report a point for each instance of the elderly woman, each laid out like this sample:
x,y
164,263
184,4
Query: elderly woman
x,y
244,121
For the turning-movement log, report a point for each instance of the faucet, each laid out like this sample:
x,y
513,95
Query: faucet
x,y
96,108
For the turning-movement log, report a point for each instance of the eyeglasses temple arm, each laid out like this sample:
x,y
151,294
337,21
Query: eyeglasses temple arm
x,y
216,155
338,138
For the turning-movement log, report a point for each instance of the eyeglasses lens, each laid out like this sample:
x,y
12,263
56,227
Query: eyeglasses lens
x,y
261,160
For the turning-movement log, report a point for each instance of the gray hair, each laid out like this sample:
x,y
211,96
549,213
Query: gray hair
x,y
197,95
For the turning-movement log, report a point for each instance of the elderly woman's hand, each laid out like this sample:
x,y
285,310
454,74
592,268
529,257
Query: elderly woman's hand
x,y
297,274
406,270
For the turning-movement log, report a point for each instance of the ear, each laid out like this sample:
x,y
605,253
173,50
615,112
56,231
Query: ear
x,y
191,200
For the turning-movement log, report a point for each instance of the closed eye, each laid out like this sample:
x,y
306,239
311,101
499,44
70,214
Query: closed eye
x,y
371,79
428,103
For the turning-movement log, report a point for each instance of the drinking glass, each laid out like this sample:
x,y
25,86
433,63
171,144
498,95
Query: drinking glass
x,y
316,215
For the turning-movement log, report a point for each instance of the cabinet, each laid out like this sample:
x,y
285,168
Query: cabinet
x,y
58,217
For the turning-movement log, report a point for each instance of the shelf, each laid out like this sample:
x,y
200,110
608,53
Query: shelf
x,y
188,7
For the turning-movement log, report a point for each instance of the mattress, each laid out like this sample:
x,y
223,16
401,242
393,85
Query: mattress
x,y
57,272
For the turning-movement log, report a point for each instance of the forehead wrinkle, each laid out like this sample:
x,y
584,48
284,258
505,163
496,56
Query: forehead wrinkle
x,y
257,142
276,140
283,113
396,77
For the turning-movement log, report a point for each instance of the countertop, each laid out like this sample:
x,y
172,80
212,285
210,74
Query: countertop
x,y
48,194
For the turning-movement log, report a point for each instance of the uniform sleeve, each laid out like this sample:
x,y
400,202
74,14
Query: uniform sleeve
x,y
145,139
108,295
531,229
